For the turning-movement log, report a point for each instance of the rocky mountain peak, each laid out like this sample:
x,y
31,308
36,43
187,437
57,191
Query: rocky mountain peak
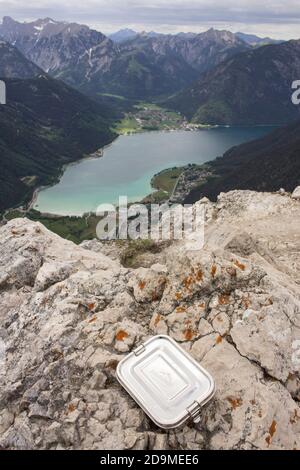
x,y
69,314
14,65
221,35
123,35
7,20
58,47
42,27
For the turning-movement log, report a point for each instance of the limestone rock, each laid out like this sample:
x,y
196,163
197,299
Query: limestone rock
x,y
52,273
69,314
249,411
148,283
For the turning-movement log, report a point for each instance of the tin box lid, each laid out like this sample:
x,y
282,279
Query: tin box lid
x,y
166,382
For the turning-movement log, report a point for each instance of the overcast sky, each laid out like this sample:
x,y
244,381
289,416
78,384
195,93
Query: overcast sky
x,y
276,18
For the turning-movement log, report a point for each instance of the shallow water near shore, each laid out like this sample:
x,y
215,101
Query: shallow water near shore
x,y
130,162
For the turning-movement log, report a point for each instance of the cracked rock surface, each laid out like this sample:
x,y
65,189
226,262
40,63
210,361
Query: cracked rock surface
x,y
69,314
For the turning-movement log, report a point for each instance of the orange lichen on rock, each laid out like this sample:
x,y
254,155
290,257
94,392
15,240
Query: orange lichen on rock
x,y
235,402
246,302
213,270
121,335
178,295
154,296
241,266
231,271
272,431
71,408
219,339
93,319
224,299
188,334
195,276
91,306
295,418
157,319
142,285
188,281
180,309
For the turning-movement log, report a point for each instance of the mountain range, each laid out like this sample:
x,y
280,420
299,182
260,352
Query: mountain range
x,y
125,34
254,40
68,51
122,35
144,66
159,65
221,78
253,88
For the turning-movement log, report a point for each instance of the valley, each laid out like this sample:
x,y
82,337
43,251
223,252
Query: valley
x,y
129,164
128,167
130,84
147,117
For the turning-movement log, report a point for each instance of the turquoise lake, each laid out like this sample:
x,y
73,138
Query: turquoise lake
x,y
129,163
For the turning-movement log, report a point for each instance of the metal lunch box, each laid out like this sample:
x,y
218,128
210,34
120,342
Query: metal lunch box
x,y
166,382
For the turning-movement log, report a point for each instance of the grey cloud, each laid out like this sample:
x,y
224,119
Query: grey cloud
x,y
155,12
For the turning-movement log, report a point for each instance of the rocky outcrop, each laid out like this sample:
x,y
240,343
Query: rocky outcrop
x,y
68,314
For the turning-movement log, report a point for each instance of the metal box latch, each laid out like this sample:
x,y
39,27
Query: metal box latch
x,y
139,350
195,412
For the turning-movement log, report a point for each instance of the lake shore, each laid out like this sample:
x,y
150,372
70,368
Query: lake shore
x,y
155,149
128,168
91,156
